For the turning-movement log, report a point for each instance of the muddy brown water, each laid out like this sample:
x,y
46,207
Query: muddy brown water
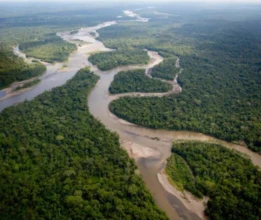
x,y
98,102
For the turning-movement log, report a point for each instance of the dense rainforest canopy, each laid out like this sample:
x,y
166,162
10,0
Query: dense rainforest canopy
x,y
111,60
136,81
13,68
166,70
58,162
35,31
50,48
220,83
230,180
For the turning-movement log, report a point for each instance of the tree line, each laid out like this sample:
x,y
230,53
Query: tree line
x,y
229,179
136,81
13,68
49,48
113,59
59,162
220,82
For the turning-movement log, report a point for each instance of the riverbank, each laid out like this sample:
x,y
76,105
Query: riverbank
x,y
152,145
56,74
137,151
86,40
11,90
192,203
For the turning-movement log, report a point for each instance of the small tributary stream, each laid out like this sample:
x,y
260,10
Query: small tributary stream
x,y
149,147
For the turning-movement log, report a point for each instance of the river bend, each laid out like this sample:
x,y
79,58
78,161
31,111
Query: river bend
x,y
149,147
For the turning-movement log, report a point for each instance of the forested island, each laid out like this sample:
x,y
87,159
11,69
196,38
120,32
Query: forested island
x,y
111,60
13,68
136,81
50,48
59,162
230,180
166,70
220,82
53,156
35,31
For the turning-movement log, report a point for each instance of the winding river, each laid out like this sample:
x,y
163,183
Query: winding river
x,y
150,148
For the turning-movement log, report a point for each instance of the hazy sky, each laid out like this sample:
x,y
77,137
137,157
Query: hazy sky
x,y
86,1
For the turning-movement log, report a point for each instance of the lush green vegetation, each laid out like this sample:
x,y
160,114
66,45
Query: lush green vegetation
x,y
50,49
221,78
58,162
166,70
231,181
33,26
154,35
53,152
13,68
136,81
28,84
180,175
111,60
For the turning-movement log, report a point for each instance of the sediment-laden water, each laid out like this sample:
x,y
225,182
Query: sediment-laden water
x,y
149,147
